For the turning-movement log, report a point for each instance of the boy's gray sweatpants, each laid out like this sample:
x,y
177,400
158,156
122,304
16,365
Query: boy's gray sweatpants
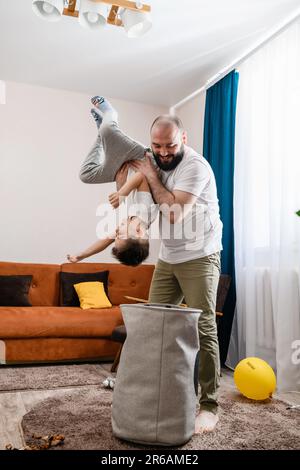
x,y
111,149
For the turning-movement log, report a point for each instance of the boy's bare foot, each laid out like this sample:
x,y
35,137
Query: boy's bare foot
x,y
73,259
206,421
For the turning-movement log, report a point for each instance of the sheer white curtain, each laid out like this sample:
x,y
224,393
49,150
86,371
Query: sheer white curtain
x,y
267,195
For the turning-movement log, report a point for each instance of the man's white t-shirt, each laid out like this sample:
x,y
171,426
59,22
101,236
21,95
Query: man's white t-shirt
x,y
199,234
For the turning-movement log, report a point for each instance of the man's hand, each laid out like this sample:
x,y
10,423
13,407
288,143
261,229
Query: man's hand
x,y
144,166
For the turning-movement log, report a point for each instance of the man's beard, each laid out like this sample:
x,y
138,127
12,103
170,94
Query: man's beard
x,y
167,166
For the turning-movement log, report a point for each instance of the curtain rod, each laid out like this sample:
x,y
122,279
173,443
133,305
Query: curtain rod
x,y
218,76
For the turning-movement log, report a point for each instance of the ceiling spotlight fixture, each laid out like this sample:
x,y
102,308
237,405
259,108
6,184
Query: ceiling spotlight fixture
x,y
136,23
50,10
94,14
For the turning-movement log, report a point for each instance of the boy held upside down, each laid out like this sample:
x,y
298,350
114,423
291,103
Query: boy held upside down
x,y
108,161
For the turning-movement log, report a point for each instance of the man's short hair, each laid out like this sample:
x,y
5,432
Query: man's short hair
x,y
168,119
134,253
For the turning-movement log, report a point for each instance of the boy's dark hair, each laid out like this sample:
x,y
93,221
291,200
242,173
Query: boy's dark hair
x,y
133,254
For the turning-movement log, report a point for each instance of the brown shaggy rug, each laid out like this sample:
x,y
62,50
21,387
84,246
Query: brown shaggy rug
x,y
84,417
46,377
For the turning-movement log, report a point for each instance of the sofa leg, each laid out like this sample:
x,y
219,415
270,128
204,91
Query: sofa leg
x,y
117,359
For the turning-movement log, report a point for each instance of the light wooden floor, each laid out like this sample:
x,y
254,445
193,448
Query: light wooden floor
x,y
13,406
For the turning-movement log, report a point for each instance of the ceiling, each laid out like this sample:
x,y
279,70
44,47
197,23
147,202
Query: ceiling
x,y
190,41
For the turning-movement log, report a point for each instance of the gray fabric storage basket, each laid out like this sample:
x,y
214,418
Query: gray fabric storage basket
x,y
155,394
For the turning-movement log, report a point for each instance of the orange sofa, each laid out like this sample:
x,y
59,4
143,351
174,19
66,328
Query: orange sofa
x,y
47,332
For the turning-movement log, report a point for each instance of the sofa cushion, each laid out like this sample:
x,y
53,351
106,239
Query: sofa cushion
x,y
44,289
14,290
51,322
69,297
123,280
92,295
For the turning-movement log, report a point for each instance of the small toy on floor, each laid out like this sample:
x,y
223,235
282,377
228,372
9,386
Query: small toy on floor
x,y
109,382
293,407
42,442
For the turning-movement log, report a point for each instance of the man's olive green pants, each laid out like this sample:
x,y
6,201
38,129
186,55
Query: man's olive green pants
x,y
197,282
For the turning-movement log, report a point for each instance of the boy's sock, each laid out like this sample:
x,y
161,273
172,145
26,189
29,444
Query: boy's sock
x,y
108,111
97,117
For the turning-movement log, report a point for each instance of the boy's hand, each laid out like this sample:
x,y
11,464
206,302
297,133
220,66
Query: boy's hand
x,y
74,259
115,199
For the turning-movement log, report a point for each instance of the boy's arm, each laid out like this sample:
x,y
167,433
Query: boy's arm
x,y
134,182
131,184
97,247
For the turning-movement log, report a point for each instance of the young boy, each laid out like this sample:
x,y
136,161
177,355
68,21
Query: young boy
x,y
107,162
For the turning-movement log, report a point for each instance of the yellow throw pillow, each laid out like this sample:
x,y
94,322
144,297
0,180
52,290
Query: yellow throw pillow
x,y
92,295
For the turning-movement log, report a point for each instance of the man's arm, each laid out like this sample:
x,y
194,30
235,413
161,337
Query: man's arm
x,y
97,247
162,196
173,204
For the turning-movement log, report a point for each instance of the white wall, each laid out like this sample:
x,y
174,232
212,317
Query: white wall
x,y
192,116
45,210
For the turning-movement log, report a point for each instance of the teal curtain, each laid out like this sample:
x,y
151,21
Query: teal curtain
x,y
218,149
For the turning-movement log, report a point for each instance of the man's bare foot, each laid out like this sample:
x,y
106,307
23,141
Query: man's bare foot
x,y
206,421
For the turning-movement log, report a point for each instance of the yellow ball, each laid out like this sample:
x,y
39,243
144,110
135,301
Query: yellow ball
x,y
255,378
